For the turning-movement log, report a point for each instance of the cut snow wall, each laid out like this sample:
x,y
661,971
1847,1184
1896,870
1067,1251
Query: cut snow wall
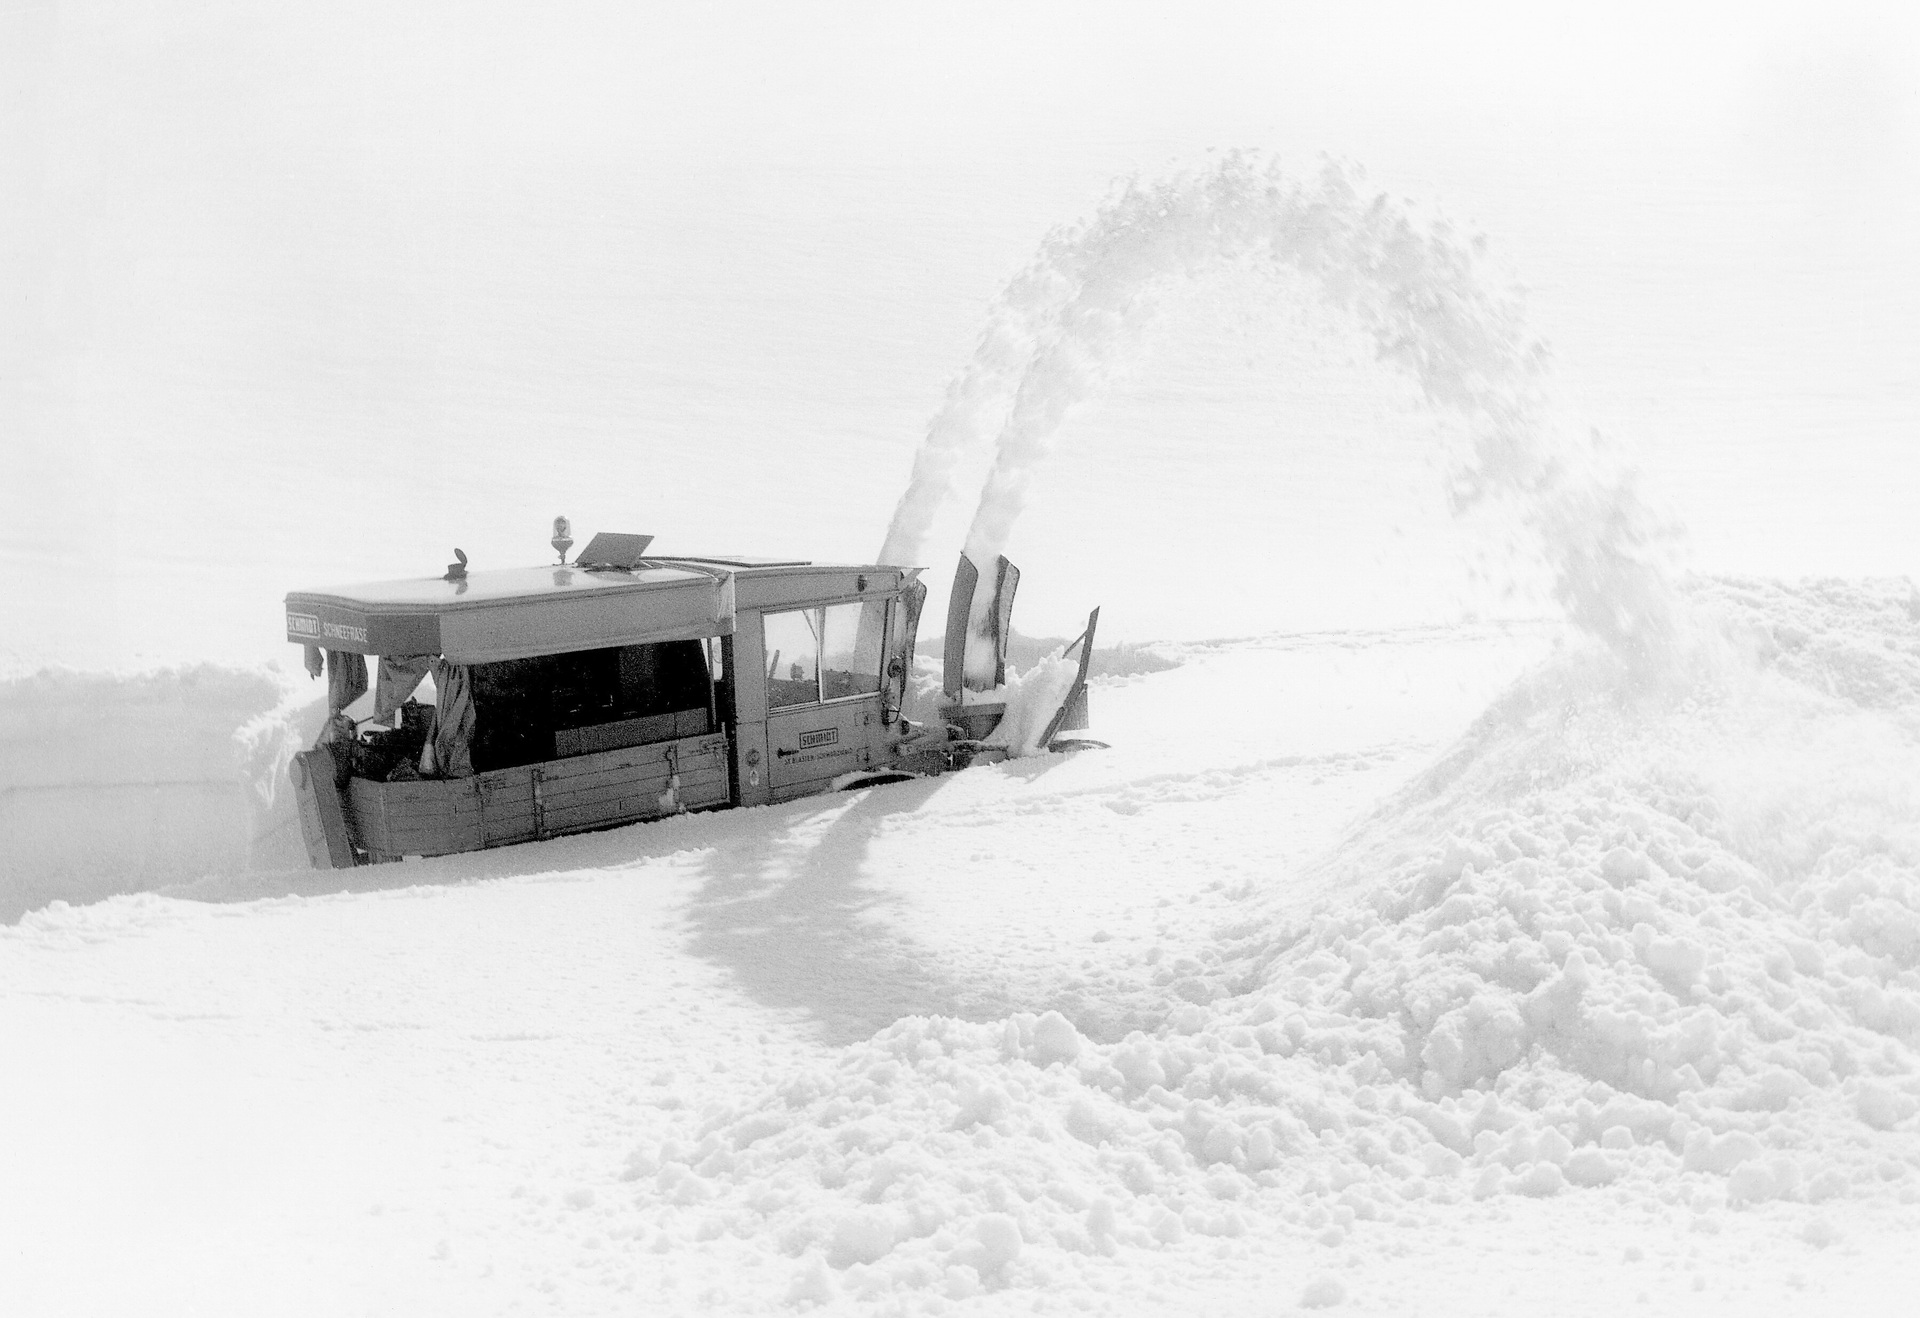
x,y
113,784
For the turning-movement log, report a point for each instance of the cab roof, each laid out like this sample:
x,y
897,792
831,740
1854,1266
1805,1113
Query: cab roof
x,y
486,616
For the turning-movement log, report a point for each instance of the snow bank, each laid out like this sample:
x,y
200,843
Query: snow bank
x,y
124,783
1664,940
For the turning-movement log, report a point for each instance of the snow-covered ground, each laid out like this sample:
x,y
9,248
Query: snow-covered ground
x,y
1403,953
1412,972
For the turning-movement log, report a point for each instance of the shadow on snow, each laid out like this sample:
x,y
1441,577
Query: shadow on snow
x,y
788,913
782,902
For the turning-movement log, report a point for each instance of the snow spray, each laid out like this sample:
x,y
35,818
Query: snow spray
x,y
1056,334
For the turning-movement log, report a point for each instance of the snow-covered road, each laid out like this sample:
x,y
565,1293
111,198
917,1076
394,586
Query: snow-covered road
x,y
658,1069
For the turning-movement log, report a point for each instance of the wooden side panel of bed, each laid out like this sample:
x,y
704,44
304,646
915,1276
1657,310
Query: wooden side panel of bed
x,y
435,817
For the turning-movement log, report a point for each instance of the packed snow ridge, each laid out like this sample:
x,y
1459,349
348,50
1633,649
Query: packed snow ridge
x,y
1661,936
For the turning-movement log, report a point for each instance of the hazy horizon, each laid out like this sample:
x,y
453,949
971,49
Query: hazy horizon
x,y
308,298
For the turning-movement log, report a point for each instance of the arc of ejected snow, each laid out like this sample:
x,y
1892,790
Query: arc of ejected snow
x,y
975,402
1420,294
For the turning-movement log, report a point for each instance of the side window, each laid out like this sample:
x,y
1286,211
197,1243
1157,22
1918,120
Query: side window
x,y
793,657
662,678
851,644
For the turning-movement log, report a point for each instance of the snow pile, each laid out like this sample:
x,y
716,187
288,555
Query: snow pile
x,y
263,748
1666,940
1852,639
265,744
1032,698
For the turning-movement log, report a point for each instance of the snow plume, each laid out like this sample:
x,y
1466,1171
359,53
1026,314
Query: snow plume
x,y
976,401
1419,291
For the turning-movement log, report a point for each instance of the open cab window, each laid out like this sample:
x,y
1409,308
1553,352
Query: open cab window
x,y
793,658
830,653
554,706
851,643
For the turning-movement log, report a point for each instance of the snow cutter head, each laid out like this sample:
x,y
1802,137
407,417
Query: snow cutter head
x,y
974,663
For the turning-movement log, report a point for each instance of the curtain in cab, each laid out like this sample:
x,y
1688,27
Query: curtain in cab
x,y
449,749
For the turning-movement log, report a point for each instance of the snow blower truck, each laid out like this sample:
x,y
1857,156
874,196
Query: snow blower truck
x,y
627,686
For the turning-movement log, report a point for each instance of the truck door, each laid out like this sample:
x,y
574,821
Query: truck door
x,y
823,693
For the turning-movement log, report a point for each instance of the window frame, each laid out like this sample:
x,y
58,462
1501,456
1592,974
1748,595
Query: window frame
x,y
819,649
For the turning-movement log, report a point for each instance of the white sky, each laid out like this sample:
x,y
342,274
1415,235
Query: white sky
x,y
299,296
